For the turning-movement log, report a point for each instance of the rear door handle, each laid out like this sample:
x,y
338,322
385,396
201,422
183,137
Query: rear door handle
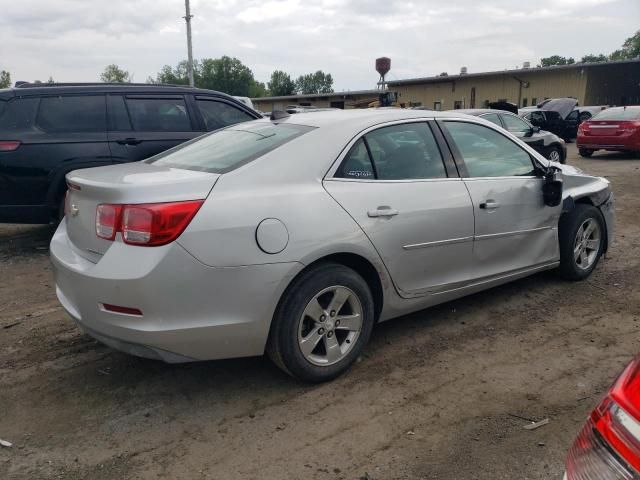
x,y
489,205
128,141
383,211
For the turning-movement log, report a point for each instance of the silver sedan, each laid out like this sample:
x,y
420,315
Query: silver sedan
x,y
294,235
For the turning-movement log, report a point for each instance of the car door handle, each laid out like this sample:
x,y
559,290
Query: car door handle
x,y
383,211
128,141
489,205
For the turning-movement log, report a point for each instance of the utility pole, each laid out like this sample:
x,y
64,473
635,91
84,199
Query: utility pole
x,y
187,18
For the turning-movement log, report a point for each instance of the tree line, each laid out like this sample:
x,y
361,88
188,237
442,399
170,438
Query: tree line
x,y
630,49
230,75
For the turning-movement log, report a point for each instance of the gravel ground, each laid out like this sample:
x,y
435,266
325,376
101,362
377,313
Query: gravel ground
x,y
438,395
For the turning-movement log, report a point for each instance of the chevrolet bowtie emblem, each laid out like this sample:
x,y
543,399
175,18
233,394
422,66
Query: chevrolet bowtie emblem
x,y
74,211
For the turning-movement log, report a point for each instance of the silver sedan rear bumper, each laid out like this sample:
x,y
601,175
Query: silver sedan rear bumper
x,y
190,311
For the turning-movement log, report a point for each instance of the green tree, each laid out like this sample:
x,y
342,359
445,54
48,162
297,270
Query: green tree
x,y
258,89
318,82
556,60
114,74
5,79
281,84
630,48
225,74
591,58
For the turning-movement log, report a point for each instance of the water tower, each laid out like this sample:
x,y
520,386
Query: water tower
x,y
383,65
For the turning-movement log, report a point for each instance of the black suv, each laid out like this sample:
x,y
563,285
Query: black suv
x,y
47,131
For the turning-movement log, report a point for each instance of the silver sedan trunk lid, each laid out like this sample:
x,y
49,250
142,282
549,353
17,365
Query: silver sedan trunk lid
x,y
132,183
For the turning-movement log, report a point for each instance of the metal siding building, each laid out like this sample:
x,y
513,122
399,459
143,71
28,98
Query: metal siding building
x,y
608,83
346,100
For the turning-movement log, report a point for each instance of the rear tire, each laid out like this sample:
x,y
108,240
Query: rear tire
x,y
583,152
582,236
322,324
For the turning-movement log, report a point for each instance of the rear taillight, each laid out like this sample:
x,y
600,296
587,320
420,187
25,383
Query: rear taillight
x,y
107,221
609,445
9,145
583,128
150,224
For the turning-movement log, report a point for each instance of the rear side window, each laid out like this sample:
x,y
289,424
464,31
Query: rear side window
x,y
218,115
487,153
18,114
618,114
159,114
493,118
399,152
72,114
225,150
515,124
357,163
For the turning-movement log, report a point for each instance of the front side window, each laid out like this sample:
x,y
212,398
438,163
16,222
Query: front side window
x,y
159,114
515,124
399,152
227,149
220,114
72,114
487,153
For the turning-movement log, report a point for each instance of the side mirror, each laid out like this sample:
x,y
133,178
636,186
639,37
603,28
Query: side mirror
x,y
552,189
536,129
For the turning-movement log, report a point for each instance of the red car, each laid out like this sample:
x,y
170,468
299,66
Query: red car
x,y
608,447
616,129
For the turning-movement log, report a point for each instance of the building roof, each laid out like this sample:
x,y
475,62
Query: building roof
x,y
317,95
448,78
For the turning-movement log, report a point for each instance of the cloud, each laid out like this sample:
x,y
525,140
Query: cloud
x,y
73,40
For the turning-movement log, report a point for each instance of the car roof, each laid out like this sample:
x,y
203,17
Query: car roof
x,y
360,117
62,88
481,111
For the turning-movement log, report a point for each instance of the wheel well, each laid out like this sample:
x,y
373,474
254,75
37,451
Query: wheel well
x,y
364,268
585,201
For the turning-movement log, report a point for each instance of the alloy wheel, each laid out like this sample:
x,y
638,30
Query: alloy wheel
x,y
554,155
587,244
330,325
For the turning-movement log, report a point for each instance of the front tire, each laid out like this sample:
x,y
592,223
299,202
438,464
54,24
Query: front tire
x,y
554,153
582,236
322,323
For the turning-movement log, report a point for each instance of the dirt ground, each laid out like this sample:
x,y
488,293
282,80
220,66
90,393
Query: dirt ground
x,y
436,396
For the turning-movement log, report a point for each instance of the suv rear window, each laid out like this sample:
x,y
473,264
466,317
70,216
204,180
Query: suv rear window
x,y
18,114
74,114
225,150
159,114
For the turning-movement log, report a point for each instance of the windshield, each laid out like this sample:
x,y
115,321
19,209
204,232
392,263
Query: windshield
x,y
224,150
629,113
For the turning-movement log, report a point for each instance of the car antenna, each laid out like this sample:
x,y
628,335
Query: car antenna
x,y
278,115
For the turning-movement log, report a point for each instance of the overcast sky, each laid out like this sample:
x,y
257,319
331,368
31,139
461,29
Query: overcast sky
x,y
73,40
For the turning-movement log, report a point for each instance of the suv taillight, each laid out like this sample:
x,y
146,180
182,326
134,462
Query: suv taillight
x,y
149,224
609,445
9,145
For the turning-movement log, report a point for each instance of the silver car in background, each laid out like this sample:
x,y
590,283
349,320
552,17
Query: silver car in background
x,y
294,235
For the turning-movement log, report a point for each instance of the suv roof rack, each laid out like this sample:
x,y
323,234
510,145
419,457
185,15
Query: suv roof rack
x,y
95,84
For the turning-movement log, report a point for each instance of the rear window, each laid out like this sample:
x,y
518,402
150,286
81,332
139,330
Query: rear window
x,y
225,150
18,114
159,114
618,114
68,114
